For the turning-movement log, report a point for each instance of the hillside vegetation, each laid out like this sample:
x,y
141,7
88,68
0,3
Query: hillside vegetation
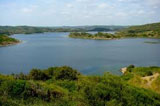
x,y
148,30
5,40
64,86
144,77
99,35
9,30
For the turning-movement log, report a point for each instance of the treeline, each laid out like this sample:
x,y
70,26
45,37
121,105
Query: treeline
x,y
9,30
64,86
148,30
98,35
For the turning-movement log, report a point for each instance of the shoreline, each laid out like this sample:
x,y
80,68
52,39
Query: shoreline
x,y
114,38
10,43
95,38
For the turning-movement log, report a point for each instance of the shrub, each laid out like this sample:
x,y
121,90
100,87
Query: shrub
x,y
130,67
143,71
13,88
70,85
36,74
66,73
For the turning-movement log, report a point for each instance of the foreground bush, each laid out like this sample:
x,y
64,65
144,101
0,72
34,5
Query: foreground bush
x,y
64,86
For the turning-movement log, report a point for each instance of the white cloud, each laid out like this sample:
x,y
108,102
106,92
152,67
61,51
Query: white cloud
x,y
27,10
102,5
154,2
127,0
140,12
122,0
69,5
75,12
83,0
121,14
65,13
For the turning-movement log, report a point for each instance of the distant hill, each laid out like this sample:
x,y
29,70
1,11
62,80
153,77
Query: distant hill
x,y
148,30
30,29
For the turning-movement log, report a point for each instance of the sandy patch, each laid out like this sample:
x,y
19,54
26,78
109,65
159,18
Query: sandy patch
x,y
151,78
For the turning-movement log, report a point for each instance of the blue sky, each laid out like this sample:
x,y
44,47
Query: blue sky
x,y
78,12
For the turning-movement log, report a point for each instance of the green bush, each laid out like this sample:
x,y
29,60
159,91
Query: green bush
x,y
130,67
13,88
66,73
70,85
67,87
112,88
36,74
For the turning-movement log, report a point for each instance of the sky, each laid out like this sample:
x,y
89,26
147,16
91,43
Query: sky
x,y
78,12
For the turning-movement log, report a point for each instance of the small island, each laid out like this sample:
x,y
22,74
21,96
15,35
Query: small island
x,y
6,40
98,36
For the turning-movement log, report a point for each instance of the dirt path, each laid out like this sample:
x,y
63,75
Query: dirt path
x,y
151,78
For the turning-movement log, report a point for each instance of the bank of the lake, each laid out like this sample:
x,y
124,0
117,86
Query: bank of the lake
x,y
6,40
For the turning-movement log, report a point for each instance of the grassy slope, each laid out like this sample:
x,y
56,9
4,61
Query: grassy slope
x,y
5,40
148,30
64,86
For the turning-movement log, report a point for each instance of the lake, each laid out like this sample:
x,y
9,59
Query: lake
x,y
88,56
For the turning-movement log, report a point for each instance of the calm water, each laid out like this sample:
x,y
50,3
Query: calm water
x,y
88,56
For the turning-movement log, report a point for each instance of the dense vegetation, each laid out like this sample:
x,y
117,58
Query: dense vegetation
x,y
64,86
148,30
29,29
99,35
5,40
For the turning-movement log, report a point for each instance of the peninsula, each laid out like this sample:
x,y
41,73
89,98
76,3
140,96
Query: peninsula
x,y
6,40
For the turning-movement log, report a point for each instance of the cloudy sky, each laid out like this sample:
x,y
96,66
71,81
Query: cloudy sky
x,y
78,12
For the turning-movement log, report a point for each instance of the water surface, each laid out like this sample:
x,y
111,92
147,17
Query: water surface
x,y
88,56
